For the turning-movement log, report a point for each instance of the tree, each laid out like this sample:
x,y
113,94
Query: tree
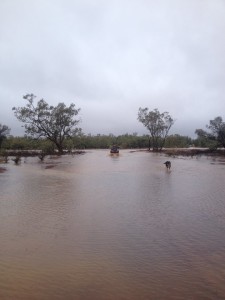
x,y
53,122
158,125
217,132
176,140
4,131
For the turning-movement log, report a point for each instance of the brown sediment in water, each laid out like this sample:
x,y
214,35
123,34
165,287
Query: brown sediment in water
x,y
105,228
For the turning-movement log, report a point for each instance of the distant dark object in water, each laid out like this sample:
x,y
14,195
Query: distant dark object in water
x,y
49,166
41,156
114,149
168,164
17,159
2,170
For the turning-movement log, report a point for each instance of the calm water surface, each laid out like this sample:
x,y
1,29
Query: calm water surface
x,y
99,227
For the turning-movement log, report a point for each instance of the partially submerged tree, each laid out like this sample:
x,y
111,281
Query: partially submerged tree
x,y
158,125
216,133
52,122
4,131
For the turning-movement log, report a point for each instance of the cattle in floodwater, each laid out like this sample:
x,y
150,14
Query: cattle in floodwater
x,y
168,164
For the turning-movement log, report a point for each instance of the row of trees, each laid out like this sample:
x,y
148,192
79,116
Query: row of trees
x,y
57,125
125,141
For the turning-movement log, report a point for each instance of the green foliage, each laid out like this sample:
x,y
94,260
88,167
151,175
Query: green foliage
x,y
125,141
216,136
94,142
132,141
46,146
21,143
158,125
4,132
178,141
54,123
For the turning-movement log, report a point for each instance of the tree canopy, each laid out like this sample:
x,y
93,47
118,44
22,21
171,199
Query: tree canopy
x,y
158,124
216,132
52,122
4,131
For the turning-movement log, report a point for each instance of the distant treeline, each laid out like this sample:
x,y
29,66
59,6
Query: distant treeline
x,y
125,141
55,128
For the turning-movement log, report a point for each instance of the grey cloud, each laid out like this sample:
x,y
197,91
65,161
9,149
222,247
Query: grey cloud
x,y
111,57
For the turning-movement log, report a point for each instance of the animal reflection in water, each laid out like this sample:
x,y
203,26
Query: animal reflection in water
x,y
168,164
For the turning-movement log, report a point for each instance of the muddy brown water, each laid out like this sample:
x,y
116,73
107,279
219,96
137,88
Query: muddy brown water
x,y
96,226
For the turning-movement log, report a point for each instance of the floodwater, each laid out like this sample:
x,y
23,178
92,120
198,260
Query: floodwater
x,y
103,227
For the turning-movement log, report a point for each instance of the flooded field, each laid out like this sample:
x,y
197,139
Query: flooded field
x,y
103,227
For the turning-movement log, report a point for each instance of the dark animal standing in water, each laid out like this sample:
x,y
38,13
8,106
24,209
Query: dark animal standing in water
x,y
42,156
168,164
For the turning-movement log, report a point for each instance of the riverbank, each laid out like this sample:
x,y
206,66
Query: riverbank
x,y
27,153
192,151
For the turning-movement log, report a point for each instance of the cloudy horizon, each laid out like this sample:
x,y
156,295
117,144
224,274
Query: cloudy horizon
x,y
112,57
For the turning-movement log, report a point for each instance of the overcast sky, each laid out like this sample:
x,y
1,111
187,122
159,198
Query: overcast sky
x,y
111,57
